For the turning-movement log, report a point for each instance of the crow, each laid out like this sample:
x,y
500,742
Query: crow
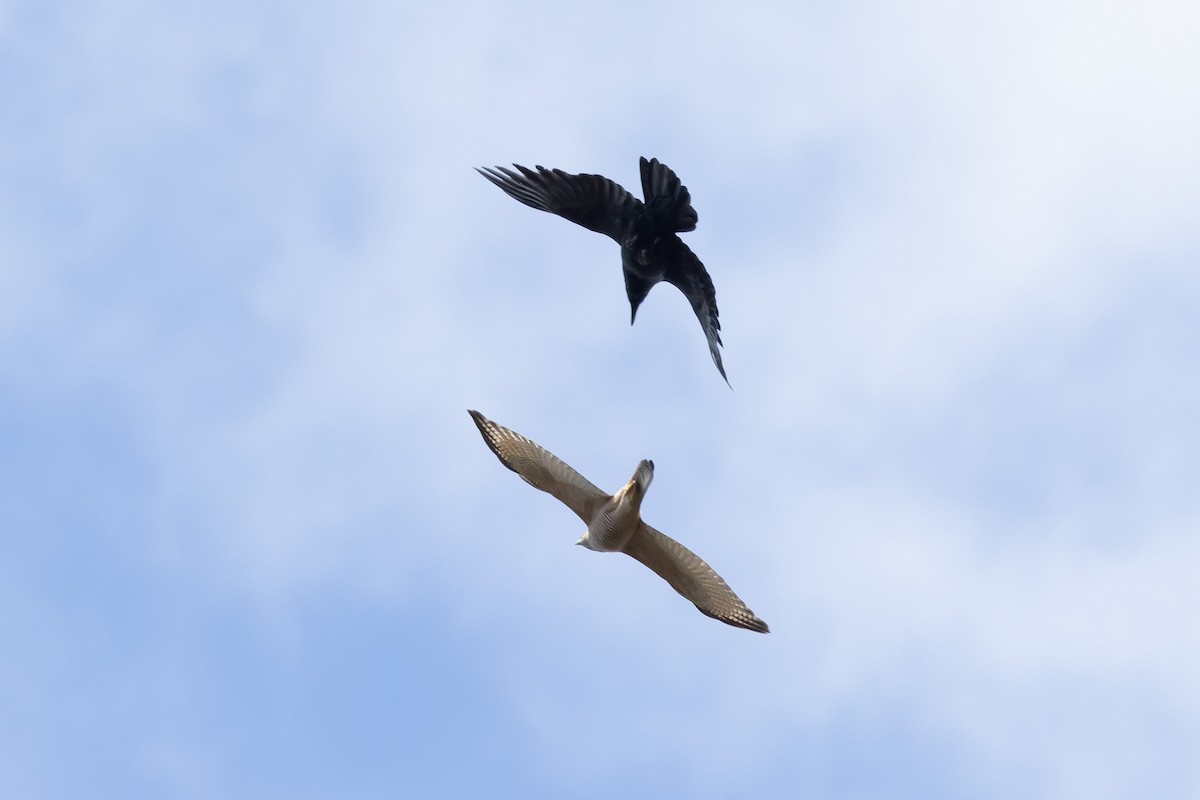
x,y
650,249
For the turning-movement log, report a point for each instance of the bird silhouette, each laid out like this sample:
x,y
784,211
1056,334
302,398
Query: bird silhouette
x,y
615,523
650,249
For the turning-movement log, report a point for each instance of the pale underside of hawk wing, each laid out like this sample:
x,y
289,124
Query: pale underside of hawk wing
x,y
592,201
691,577
541,468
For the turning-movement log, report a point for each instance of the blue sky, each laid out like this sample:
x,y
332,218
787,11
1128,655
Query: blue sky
x,y
251,545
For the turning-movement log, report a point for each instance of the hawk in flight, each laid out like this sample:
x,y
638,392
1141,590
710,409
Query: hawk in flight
x,y
614,523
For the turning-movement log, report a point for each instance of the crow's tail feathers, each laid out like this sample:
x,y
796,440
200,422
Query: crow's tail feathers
x,y
667,200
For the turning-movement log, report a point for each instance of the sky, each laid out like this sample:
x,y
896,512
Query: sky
x,y
252,546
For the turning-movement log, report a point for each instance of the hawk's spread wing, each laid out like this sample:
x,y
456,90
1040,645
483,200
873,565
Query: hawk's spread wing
x,y
541,468
691,577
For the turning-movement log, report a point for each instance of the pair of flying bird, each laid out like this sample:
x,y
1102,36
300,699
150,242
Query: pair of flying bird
x,y
651,251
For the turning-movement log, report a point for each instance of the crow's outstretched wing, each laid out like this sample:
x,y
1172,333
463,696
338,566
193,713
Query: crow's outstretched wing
x,y
685,272
592,201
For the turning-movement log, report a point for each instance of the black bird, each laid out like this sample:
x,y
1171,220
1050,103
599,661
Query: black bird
x,y
650,249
